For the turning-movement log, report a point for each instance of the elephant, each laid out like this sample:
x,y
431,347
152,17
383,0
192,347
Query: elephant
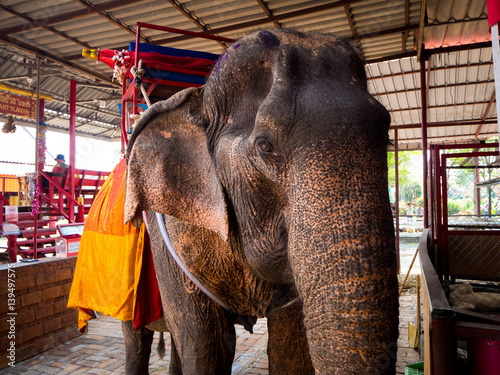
x,y
269,186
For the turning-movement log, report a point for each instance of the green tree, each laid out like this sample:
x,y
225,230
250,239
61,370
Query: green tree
x,y
410,191
404,165
410,187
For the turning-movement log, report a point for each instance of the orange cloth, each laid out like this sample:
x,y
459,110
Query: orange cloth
x,y
110,256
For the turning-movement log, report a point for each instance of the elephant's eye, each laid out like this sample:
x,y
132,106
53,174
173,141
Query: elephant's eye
x,y
264,146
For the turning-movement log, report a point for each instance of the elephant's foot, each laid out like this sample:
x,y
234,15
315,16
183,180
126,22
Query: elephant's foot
x,y
287,348
175,360
137,348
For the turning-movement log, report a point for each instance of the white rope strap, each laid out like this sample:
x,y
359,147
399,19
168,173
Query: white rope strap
x,y
137,72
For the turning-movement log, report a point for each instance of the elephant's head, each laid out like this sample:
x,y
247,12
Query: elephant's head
x,y
283,154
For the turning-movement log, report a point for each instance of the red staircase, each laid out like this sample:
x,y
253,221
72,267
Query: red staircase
x,y
39,231
42,227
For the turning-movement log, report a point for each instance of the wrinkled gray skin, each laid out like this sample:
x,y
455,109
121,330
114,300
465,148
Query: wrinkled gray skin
x,y
272,179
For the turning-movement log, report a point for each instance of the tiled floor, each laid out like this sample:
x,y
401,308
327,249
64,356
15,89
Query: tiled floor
x,y
101,350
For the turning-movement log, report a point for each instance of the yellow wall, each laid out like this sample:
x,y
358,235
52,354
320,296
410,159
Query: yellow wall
x,y
11,183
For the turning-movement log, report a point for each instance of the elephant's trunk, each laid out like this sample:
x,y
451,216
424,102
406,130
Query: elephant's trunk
x,y
342,254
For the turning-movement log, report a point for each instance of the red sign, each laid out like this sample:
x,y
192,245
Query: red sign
x,y
493,12
17,105
11,214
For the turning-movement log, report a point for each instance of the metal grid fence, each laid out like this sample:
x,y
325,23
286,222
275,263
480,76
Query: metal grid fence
x,y
466,218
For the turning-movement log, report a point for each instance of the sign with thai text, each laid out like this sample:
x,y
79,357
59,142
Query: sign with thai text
x,y
10,229
11,214
17,105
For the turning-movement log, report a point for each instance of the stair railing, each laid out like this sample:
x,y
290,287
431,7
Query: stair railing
x,y
11,238
54,187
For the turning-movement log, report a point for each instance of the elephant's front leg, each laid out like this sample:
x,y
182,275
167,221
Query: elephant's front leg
x,y
203,333
137,348
287,347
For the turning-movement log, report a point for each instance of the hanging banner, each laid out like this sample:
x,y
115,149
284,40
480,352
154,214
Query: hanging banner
x,y
17,105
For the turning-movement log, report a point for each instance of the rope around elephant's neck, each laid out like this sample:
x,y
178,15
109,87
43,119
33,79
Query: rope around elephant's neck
x,y
137,72
183,267
195,280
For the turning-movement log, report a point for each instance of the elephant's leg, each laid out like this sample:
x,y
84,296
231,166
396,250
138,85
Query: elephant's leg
x,y
175,361
137,348
204,343
202,332
287,347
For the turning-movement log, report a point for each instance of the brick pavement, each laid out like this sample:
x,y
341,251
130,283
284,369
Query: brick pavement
x,y
102,351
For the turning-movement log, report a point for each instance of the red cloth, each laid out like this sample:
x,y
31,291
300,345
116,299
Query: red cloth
x,y
148,306
154,60
493,12
114,273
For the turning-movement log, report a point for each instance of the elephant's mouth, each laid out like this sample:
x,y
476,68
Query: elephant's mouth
x,y
283,300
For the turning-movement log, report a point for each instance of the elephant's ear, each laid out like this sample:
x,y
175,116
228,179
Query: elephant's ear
x,y
169,168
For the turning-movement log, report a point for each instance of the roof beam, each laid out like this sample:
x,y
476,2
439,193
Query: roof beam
x,y
435,87
263,21
106,113
81,120
348,14
438,106
95,110
67,16
443,124
26,123
112,19
486,112
347,9
391,57
432,51
464,136
97,100
433,69
96,86
404,36
193,18
108,130
452,21
421,24
268,13
393,30
34,24
43,74
60,99
463,47
428,78
6,60
16,43
220,30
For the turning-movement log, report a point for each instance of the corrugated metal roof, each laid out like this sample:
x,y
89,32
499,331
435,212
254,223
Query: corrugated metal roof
x,y
386,33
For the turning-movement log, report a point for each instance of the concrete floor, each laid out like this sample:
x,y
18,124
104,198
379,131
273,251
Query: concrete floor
x,y
406,253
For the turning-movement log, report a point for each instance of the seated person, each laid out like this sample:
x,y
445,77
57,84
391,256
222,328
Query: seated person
x,y
59,169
